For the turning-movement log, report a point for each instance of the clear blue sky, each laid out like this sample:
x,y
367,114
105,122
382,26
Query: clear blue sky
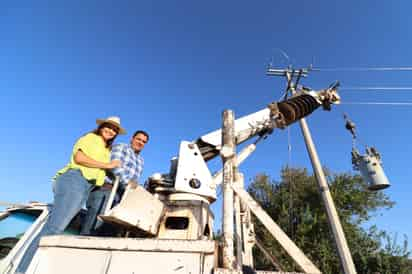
x,y
171,67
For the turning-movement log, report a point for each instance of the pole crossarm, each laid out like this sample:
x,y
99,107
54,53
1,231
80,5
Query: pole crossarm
x,y
294,252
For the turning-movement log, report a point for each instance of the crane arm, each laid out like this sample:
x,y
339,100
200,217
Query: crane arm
x,y
275,115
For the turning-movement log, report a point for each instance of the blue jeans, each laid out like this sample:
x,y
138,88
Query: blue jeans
x,y
96,204
71,190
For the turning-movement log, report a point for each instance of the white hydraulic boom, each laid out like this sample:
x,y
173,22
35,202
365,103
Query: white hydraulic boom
x,y
189,172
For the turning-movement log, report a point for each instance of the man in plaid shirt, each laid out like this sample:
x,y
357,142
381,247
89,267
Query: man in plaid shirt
x,y
132,162
129,173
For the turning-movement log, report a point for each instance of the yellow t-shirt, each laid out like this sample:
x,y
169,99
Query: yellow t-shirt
x,y
93,146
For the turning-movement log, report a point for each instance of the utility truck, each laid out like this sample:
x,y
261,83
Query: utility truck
x,y
167,226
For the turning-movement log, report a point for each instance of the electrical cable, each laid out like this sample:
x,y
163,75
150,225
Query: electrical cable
x,y
376,88
364,69
291,186
289,148
378,103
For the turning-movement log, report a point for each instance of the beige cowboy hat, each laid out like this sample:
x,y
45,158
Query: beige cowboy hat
x,y
114,120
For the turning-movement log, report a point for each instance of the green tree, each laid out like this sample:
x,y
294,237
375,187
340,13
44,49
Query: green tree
x,y
296,206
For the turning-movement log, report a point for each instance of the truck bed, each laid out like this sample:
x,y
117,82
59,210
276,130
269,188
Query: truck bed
x,y
96,255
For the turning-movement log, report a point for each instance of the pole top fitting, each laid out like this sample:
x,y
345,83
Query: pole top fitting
x,y
227,152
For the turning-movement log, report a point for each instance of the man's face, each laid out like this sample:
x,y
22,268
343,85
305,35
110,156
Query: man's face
x,y
138,142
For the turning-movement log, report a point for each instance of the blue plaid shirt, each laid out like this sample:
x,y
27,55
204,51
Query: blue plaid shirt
x,y
132,163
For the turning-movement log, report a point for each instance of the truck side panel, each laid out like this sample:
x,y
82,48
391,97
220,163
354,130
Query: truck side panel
x,y
93,255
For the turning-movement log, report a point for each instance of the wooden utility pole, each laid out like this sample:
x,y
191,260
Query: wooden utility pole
x,y
229,161
333,217
343,250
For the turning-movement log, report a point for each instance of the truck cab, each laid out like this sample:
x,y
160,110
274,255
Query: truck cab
x,y
176,246
19,224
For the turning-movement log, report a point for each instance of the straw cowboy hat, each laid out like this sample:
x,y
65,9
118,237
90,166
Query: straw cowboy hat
x,y
114,120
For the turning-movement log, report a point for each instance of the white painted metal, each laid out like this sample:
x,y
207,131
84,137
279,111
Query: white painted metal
x,y
4,214
294,252
10,262
246,127
247,229
248,234
370,166
128,244
240,158
138,208
92,255
244,229
199,218
186,197
238,223
250,125
192,166
112,195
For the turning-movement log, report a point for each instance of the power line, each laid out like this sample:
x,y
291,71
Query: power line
x,y
379,103
364,69
377,88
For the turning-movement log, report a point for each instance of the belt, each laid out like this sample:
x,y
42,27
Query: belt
x,y
105,186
